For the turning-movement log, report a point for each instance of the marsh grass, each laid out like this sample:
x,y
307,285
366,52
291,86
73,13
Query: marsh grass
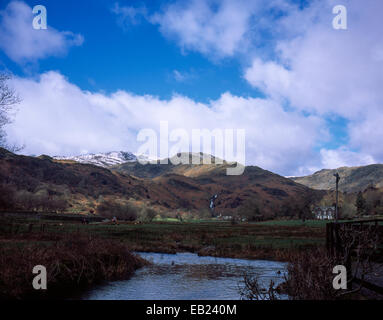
x,y
71,263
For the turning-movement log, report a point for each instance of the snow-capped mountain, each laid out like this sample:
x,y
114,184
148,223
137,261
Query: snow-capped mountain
x,y
105,160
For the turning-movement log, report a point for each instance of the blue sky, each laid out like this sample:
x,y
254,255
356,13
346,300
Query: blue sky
x,y
307,95
135,58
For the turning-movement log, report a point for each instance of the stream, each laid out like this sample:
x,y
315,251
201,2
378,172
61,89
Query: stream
x,y
187,276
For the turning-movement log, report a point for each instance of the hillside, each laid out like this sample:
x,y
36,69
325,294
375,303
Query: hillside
x,y
158,169
194,185
353,179
69,180
164,187
81,186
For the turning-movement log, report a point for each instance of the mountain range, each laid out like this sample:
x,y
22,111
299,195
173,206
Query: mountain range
x,y
165,187
353,179
85,180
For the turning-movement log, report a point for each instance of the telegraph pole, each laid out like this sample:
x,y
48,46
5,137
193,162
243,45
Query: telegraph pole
x,y
336,175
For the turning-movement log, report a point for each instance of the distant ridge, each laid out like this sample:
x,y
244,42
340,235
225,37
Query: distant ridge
x,y
353,179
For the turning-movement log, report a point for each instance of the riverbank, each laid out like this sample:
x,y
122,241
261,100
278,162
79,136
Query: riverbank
x,y
79,255
71,263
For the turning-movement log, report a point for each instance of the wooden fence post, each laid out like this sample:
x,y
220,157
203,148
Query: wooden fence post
x,y
330,238
338,244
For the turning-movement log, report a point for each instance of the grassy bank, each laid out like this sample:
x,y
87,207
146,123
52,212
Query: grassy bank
x,y
72,262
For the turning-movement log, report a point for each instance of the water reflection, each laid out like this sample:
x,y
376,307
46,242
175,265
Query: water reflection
x,y
187,276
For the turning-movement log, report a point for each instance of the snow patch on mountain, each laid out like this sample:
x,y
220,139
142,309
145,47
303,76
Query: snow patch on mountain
x,y
106,159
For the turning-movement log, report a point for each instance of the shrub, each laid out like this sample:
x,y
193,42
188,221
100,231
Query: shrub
x,y
310,276
360,204
203,214
123,211
39,201
254,290
147,214
249,210
348,210
7,194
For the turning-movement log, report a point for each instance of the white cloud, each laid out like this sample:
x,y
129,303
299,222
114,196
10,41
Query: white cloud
x,y
183,76
270,77
210,27
58,118
128,16
367,134
178,76
343,157
324,71
22,43
217,29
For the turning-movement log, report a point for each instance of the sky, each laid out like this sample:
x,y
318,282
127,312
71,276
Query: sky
x,y
308,95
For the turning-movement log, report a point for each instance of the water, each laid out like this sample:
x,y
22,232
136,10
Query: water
x,y
186,276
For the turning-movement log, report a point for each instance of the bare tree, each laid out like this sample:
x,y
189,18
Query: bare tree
x,y
8,100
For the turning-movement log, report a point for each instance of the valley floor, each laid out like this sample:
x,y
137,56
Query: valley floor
x,y
89,253
273,240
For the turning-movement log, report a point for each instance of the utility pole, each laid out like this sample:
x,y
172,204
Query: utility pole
x,y
336,175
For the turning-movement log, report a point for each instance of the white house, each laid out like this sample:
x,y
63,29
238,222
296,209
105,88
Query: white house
x,y
324,213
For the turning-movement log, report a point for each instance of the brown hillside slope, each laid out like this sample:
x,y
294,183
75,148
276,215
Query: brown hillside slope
x,y
159,169
179,187
193,185
72,180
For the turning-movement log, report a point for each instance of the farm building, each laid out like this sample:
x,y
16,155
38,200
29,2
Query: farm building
x,y
324,213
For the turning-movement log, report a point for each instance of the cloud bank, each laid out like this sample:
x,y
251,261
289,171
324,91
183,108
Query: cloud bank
x,y
58,118
327,72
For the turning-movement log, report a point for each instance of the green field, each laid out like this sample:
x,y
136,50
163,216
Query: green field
x,y
294,223
261,240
